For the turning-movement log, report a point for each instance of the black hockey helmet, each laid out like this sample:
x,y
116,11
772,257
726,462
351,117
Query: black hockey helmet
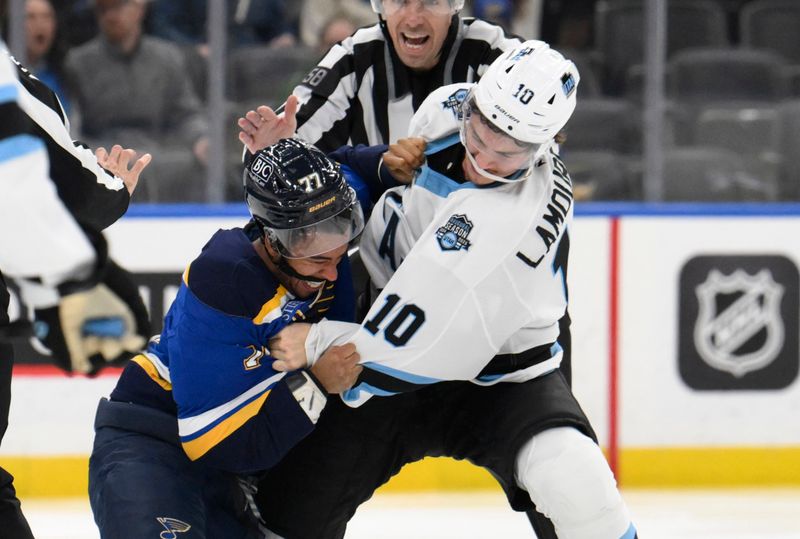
x,y
301,200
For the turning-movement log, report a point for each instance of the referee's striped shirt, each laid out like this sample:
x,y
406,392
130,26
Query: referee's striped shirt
x,y
361,93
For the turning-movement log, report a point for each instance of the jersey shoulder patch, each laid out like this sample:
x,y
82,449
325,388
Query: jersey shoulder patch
x,y
439,114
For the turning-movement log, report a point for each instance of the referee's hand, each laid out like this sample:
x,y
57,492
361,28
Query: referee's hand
x,y
264,127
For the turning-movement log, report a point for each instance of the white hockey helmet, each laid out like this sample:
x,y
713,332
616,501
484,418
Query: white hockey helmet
x,y
529,92
436,6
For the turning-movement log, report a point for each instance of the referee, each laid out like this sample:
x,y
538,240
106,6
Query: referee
x,y
55,197
366,88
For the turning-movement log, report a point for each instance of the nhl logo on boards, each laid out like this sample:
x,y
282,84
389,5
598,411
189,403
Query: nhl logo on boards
x,y
753,310
452,236
736,315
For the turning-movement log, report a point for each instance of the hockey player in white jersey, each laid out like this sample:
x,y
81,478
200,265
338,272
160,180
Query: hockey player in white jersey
x,y
471,259
55,198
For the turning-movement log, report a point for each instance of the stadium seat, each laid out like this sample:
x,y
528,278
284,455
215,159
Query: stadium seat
x,y
773,25
792,76
744,128
789,116
710,74
705,174
751,130
619,33
600,175
603,124
267,74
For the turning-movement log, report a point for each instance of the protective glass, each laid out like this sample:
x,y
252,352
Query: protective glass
x,y
435,7
515,156
324,236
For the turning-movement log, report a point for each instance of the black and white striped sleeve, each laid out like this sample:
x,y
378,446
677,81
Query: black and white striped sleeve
x,y
94,196
39,235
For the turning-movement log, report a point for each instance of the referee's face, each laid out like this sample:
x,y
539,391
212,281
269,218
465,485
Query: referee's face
x,y
418,33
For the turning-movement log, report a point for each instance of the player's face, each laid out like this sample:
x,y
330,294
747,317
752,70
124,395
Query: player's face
x,y
495,153
418,29
322,267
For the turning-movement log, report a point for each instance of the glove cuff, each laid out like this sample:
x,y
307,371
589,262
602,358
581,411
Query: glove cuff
x,y
307,393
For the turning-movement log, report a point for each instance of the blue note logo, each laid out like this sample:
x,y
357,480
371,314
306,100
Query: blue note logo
x,y
452,236
173,527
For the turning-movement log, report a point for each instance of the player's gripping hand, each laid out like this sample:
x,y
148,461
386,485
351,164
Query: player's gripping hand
x,y
90,328
288,347
404,157
338,369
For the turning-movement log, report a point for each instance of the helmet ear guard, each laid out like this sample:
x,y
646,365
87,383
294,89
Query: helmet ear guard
x,y
300,199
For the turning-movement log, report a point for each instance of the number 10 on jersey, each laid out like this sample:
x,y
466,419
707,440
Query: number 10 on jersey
x,y
402,326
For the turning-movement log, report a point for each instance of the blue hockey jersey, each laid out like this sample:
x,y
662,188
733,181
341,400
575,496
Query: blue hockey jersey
x,y
211,366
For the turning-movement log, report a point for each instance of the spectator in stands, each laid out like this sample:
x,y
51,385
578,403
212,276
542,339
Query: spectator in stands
x,y
338,27
249,22
76,20
520,17
569,24
496,11
44,50
317,17
134,89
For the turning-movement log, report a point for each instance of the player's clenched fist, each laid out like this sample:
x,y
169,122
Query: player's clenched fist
x,y
288,347
338,369
404,157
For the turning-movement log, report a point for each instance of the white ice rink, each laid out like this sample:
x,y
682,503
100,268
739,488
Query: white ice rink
x,y
695,514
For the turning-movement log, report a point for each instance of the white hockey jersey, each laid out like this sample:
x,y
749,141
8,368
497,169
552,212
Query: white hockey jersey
x,y
38,235
473,278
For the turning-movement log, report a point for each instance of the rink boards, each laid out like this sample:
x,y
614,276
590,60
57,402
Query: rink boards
x,y
685,339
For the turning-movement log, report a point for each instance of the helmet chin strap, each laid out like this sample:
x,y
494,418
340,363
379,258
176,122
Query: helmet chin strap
x,y
283,265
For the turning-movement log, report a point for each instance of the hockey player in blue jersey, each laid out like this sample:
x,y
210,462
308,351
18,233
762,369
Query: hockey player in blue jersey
x,y
461,345
203,408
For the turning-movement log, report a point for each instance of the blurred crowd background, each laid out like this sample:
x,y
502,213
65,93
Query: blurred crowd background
x,y
705,107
